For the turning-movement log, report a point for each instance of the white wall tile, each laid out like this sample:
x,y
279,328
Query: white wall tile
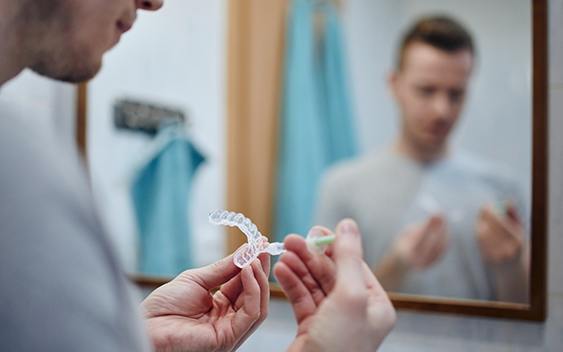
x,y
556,192
556,42
433,332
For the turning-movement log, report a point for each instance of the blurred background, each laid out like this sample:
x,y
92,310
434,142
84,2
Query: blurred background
x,y
178,58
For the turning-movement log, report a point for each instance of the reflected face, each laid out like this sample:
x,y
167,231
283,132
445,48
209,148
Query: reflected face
x,y
430,90
69,37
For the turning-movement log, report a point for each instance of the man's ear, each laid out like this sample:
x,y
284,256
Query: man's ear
x,y
392,83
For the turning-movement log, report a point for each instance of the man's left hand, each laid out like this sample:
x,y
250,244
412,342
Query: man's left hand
x,y
185,315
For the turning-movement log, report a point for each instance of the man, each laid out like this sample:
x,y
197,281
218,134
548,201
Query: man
x,y
62,287
429,214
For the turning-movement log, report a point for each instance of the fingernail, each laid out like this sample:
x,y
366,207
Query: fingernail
x,y
254,264
248,269
349,227
314,233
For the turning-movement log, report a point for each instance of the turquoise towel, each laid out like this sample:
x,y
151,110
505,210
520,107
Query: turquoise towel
x,y
341,133
316,126
301,152
160,193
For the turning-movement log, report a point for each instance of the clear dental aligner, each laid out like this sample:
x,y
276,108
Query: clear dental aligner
x,y
431,206
258,243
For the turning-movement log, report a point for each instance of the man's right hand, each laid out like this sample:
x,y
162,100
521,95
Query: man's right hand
x,y
500,236
337,301
420,246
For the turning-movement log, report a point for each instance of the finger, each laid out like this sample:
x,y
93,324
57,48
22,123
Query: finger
x,y
443,245
501,227
434,235
233,287
491,217
371,280
419,233
300,298
349,263
216,274
380,312
297,244
483,230
262,279
264,259
330,251
321,267
249,310
296,265
488,213
493,238
377,295
259,268
435,254
487,243
512,213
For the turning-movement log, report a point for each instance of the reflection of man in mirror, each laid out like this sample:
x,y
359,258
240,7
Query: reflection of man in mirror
x,y
435,221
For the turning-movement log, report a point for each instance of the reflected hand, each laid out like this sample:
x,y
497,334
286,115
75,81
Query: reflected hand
x,y
421,245
500,237
338,304
184,314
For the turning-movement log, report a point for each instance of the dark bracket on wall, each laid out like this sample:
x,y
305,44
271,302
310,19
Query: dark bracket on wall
x,y
145,117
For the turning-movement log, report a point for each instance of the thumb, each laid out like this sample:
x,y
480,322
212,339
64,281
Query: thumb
x,y
433,224
512,212
348,257
216,274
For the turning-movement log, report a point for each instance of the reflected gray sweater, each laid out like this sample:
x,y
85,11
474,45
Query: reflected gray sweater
x,y
386,192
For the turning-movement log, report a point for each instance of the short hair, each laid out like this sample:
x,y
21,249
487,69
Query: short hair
x,y
441,32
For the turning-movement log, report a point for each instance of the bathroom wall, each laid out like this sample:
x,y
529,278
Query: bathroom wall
x,y
43,101
175,57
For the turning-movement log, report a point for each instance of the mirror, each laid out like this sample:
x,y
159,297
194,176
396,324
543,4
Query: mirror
x,y
383,200
441,182
146,81
223,69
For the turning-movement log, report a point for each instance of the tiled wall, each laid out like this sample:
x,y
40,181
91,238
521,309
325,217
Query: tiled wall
x,y
556,146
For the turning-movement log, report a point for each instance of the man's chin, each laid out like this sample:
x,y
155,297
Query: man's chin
x,y
75,75
436,140
434,145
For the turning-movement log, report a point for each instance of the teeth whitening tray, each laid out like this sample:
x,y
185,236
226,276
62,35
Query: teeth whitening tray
x,y
258,243
430,205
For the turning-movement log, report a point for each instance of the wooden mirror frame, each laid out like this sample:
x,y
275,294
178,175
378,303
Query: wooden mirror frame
x,y
253,94
255,58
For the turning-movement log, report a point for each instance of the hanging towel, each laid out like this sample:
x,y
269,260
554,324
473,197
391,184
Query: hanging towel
x,y
160,193
301,152
316,126
341,133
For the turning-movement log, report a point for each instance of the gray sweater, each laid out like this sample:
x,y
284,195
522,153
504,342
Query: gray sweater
x,y
385,192
62,287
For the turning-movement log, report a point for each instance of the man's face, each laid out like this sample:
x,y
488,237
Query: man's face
x,y
73,35
430,90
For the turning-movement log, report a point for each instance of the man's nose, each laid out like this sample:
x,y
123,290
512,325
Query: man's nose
x,y
149,5
443,107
